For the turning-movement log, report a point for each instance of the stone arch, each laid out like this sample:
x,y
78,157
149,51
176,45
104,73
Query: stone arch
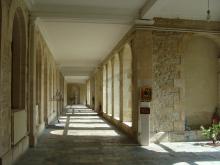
x,y
200,66
116,87
127,84
104,89
109,88
18,76
18,51
74,94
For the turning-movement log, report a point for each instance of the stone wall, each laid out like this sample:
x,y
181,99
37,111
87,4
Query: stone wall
x,y
44,73
8,9
166,115
158,60
200,62
51,79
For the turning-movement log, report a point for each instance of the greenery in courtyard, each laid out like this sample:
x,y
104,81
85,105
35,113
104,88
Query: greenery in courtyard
x,y
213,132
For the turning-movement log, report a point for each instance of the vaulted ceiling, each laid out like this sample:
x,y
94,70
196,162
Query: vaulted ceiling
x,y
81,33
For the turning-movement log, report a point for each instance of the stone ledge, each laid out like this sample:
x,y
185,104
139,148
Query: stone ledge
x,y
182,136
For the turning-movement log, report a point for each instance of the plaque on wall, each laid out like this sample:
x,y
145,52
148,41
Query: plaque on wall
x,y
146,94
144,110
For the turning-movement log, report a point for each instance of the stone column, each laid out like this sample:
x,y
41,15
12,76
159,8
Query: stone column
x,y
142,69
219,85
32,81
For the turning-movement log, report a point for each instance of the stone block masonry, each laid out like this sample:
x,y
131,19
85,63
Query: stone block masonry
x,y
166,71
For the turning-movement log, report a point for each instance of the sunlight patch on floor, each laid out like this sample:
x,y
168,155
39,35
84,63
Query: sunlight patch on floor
x,y
86,121
62,120
187,147
181,163
60,124
104,133
63,117
128,124
97,125
207,162
83,113
84,117
57,132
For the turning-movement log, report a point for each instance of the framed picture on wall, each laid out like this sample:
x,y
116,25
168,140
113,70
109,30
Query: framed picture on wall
x,y
146,94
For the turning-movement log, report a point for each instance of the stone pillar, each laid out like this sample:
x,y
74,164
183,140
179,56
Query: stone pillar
x,y
219,85
142,69
112,84
98,93
32,82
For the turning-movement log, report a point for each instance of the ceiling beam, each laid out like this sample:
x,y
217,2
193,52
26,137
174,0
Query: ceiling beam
x,y
148,5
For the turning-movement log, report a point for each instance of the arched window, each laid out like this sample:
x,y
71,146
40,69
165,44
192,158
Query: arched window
x,y
109,92
116,87
18,49
104,89
127,84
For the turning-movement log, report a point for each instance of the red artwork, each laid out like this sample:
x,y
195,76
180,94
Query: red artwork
x,y
146,94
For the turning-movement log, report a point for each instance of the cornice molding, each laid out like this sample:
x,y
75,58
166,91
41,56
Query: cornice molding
x,y
182,25
84,14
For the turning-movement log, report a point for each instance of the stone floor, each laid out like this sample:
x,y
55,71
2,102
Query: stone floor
x,y
83,138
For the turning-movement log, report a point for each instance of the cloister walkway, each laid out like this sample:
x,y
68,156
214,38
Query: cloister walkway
x,y
83,138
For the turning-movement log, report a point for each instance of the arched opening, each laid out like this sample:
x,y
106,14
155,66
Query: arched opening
x,y
201,81
18,77
116,87
104,89
73,94
127,84
109,92
18,48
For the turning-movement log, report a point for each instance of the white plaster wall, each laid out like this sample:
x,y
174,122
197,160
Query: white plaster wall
x,y
200,68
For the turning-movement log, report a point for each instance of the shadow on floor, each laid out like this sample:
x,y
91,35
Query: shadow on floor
x,y
86,139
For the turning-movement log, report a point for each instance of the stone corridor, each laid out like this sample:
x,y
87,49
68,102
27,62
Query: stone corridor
x,y
83,138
